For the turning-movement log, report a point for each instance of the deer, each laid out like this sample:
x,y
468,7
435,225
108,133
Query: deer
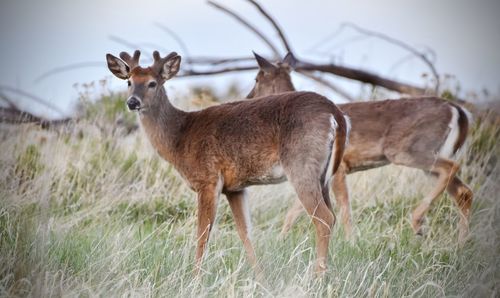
x,y
296,136
422,133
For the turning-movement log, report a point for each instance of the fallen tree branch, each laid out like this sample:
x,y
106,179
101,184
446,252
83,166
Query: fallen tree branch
x,y
362,76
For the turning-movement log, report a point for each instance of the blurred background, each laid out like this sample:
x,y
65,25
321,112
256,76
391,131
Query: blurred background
x,y
54,48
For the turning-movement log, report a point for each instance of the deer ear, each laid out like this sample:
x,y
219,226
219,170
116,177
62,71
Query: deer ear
x,y
119,68
171,67
264,65
290,60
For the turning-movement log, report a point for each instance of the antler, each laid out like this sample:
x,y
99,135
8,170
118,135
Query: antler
x,y
159,61
132,62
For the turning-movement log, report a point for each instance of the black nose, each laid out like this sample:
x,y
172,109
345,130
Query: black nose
x,y
133,103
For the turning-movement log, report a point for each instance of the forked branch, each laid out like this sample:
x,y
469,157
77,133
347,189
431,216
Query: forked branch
x,y
274,24
248,25
401,44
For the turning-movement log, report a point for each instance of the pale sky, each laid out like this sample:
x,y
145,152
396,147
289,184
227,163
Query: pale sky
x,y
36,36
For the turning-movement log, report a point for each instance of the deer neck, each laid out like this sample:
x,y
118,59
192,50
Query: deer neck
x,y
163,123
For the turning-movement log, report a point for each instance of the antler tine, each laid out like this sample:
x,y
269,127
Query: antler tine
x,y
158,61
131,61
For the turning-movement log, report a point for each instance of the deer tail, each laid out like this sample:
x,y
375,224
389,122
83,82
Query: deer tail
x,y
342,126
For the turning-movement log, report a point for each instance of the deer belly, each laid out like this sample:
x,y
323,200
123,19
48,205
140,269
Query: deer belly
x,y
274,175
237,181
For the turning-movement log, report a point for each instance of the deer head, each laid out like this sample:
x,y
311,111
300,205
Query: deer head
x,y
273,79
144,83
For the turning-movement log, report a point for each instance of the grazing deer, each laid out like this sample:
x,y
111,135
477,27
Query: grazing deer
x,y
296,136
421,133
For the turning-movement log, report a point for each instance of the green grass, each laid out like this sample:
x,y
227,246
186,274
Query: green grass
x,y
97,213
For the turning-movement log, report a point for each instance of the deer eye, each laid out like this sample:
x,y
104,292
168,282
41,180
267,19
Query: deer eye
x,y
152,85
129,83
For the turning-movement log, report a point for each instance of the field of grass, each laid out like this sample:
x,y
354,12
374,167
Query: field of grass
x,y
93,211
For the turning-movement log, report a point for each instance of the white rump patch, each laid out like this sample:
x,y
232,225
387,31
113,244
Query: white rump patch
x,y
348,129
331,138
453,133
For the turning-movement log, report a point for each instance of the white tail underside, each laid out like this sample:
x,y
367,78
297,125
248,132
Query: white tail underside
x,y
332,137
453,133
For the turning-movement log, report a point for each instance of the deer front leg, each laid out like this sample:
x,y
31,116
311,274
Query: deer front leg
x,y
207,205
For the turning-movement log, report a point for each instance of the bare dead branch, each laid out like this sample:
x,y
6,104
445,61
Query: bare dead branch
x,y
69,67
175,36
15,116
248,25
191,72
274,24
400,44
328,84
130,45
9,101
32,97
217,61
153,46
362,76
401,61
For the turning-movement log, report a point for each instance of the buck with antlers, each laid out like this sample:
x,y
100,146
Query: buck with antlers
x,y
296,136
421,133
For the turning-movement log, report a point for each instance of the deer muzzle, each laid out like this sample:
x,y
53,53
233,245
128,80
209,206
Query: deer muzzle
x,y
133,103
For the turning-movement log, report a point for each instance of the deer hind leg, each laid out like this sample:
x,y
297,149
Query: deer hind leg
x,y
241,214
445,171
207,205
341,193
463,198
311,197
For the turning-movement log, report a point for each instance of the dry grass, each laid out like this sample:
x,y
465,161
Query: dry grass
x,y
94,213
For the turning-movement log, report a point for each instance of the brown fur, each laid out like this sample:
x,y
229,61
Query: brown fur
x,y
225,148
407,132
